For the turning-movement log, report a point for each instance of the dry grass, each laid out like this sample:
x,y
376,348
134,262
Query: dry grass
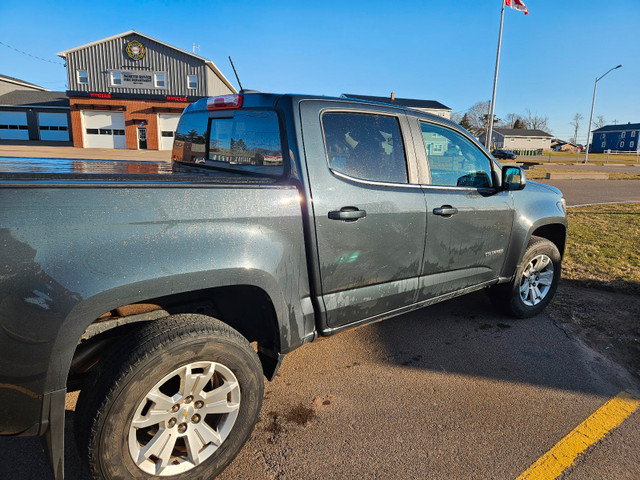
x,y
539,172
603,247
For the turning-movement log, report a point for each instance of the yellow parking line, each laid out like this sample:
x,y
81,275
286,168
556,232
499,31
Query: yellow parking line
x,y
589,432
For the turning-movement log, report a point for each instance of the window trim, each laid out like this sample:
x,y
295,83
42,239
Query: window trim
x,y
112,75
189,87
412,172
80,82
164,80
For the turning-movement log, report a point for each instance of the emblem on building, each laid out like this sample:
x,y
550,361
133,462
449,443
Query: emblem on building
x,y
135,50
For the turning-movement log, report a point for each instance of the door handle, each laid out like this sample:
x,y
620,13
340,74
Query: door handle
x,y
347,214
445,211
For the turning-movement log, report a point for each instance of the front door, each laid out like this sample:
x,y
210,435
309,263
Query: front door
x,y
468,220
142,138
369,219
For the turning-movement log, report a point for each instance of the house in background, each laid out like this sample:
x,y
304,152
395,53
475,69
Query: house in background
x,y
428,106
519,140
128,90
617,138
558,145
10,84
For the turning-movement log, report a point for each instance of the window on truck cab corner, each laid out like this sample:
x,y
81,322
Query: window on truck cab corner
x,y
249,141
454,161
365,146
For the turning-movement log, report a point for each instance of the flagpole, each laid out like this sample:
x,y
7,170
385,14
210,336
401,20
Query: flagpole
x,y
487,140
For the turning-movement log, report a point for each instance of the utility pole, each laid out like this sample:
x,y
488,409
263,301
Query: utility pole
x,y
593,102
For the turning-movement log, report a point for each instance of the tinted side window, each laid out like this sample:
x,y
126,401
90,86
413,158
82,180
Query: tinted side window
x,y
453,160
365,146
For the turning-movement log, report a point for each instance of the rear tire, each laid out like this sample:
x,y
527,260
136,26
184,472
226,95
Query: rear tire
x,y
535,282
178,398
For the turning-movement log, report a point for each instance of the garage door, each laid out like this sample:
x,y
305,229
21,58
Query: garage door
x,y
13,126
167,123
104,130
53,127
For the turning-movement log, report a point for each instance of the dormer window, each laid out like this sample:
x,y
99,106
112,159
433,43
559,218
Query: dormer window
x,y
192,82
83,77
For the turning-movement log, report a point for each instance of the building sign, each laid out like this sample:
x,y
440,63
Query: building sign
x,y
135,50
99,95
176,99
137,79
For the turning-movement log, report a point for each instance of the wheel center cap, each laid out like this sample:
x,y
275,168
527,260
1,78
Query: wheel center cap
x,y
185,413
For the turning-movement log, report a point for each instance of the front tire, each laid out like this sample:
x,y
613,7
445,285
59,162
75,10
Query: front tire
x,y
535,282
178,399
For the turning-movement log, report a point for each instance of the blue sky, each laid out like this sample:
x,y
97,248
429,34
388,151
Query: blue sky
x,y
437,50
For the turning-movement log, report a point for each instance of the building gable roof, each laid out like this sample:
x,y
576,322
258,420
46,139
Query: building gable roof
x,y
35,98
521,132
17,81
208,62
403,102
623,127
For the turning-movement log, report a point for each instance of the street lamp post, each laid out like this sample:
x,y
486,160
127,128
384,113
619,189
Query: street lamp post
x,y
593,103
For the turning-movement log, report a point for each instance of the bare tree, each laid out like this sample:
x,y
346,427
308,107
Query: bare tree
x,y
456,117
535,121
575,123
511,119
477,116
599,122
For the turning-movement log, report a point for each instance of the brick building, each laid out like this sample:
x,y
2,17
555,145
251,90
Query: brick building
x,y
128,90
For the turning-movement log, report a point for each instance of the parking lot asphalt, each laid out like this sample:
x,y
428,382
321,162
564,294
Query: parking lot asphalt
x,y
450,391
580,192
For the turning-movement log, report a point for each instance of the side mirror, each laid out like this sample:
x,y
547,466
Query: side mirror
x,y
513,178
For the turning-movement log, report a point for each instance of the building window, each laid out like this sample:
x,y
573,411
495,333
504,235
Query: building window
x,y
83,77
192,82
604,144
633,134
631,144
159,80
622,144
116,78
623,133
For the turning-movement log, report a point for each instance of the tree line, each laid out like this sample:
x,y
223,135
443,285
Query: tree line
x,y
476,119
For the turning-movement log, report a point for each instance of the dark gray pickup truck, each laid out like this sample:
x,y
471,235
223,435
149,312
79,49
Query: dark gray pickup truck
x,y
165,293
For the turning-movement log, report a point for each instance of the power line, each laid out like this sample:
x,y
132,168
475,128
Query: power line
x,y
32,56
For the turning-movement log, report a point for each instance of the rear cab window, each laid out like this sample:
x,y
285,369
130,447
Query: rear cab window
x,y
243,140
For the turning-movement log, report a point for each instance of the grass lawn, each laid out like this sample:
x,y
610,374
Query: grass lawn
x,y
603,247
540,173
598,298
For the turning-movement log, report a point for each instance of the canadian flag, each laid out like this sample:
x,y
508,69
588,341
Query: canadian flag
x,y
517,5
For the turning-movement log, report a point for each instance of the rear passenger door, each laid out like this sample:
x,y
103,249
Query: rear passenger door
x,y
469,220
369,217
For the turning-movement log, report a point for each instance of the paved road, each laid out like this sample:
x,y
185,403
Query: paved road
x,y
437,393
579,192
